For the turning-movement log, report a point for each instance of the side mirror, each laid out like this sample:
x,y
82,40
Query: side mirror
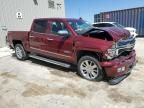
x,y
64,33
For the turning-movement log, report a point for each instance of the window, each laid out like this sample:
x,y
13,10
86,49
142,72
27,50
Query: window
x,y
108,25
51,4
35,2
59,6
58,27
103,25
79,26
40,26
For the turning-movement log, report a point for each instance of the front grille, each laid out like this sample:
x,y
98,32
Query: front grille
x,y
126,42
124,51
125,45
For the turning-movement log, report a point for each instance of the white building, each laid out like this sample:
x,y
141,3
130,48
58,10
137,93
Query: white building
x,y
17,15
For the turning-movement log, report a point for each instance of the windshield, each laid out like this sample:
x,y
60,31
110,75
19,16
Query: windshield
x,y
80,26
118,25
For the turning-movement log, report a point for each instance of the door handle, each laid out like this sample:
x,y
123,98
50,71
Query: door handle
x,y
49,39
31,36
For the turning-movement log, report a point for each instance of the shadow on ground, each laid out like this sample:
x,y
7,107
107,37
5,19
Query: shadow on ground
x,y
73,68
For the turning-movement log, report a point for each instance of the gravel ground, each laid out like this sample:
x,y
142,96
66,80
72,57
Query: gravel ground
x,y
35,84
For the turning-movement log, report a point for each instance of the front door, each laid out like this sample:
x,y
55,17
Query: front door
x,y
61,44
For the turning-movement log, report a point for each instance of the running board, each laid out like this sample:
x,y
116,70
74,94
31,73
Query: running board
x,y
50,61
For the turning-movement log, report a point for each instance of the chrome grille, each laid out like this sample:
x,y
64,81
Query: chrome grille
x,y
125,45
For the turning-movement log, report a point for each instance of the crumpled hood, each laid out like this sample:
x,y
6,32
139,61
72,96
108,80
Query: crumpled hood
x,y
117,33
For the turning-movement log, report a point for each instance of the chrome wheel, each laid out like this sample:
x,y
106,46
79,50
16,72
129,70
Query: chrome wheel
x,y
19,53
89,69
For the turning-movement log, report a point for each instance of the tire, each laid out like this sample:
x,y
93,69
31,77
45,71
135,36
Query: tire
x,y
21,54
90,69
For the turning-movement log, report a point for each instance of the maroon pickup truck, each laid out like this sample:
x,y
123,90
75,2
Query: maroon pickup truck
x,y
96,52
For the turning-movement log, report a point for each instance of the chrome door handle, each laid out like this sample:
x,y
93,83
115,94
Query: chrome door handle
x,y
31,36
50,39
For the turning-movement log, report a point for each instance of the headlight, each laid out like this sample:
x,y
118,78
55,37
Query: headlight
x,y
111,53
114,45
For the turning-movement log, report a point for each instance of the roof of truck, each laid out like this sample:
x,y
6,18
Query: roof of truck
x,y
56,19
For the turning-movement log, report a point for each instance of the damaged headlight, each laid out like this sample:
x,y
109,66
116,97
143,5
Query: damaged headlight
x,y
111,53
114,45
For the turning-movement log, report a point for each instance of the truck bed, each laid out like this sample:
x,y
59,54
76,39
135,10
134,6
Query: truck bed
x,y
17,35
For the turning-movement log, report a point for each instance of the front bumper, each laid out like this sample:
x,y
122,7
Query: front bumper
x,y
112,67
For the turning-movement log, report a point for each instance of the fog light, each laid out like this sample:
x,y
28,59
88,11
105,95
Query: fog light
x,y
123,69
119,70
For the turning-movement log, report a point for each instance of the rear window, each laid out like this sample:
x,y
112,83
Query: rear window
x,y
40,26
103,25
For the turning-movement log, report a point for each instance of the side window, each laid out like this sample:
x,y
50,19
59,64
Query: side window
x,y
73,25
40,26
99,25
108,25
59,28
103,25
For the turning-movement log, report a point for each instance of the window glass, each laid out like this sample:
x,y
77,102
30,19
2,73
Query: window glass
x,y
96,25
79,26
103,25
51,4
40,26
118,25
108,25
35,2
58,27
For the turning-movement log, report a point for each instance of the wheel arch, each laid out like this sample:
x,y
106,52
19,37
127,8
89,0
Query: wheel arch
x,y
82,53
17,42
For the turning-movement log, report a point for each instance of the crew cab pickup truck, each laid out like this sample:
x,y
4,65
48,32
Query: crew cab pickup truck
x,y
97,52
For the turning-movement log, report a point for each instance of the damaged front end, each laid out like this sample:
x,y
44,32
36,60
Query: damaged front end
x,y
120,58
121,41
121,47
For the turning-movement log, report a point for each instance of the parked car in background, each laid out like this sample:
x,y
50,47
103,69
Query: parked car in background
x,y
114,24
97,52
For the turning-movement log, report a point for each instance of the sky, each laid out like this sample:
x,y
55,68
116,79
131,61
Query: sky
x,y
87,8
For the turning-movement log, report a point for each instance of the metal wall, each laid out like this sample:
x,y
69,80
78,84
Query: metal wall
x,y
129,18
30,9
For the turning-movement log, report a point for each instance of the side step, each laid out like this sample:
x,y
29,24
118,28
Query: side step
x,y
50,61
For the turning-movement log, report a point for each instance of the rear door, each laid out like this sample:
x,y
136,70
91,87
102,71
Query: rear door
x,y
38,37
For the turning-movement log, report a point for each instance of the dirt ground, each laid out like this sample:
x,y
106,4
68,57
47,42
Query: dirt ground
x,y
35,84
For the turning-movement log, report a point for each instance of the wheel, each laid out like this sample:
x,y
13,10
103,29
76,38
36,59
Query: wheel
x,y
89,68
21,54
